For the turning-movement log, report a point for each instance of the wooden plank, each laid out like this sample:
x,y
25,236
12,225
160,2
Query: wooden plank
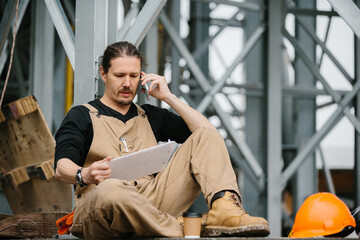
x,y
40,225
38,196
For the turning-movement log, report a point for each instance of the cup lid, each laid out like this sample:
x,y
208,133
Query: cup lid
x,y
192,214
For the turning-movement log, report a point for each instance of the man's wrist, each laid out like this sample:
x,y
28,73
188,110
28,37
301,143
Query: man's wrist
x,y
170,99
79,178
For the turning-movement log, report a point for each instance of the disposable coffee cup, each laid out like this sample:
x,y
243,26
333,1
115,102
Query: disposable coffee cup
x,y
192,224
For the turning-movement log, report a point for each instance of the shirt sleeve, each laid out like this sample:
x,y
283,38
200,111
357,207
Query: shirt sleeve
x,y
74,136
166,125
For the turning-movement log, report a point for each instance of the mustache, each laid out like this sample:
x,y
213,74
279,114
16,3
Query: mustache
x,y
125,89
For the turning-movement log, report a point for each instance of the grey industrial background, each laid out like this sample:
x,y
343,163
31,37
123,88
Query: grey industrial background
x,y
263,101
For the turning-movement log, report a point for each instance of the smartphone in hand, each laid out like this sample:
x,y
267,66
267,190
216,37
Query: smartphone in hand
x,y
145,89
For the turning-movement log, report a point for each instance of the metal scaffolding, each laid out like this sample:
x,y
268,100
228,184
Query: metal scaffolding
x,y
266,114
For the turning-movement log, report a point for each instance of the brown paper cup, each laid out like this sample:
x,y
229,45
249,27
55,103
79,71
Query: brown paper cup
x,y
192,224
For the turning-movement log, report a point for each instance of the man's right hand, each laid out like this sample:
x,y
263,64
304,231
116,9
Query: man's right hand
x,y
97,172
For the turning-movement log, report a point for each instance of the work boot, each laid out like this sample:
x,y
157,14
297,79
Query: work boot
x,y
227,217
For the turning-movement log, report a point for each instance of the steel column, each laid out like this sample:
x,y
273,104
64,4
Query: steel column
x,y
305,181
43,60
112,16
273,116
175,57
357,113
90,42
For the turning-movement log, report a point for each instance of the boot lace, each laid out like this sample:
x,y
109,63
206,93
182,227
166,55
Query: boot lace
x,y
234,200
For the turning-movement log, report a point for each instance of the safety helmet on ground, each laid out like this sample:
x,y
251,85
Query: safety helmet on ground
x,y
322,214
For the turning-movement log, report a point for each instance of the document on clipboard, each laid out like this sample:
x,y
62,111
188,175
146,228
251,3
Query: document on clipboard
x,y
142,163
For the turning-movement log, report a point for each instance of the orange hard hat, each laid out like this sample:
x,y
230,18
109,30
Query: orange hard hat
x,y
322,214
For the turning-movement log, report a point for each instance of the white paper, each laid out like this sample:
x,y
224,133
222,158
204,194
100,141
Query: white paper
x,y
142,163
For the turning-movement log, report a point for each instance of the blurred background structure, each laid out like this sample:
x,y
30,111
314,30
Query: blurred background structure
x,y
280,79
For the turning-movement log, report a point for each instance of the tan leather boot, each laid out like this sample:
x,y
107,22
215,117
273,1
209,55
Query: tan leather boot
x,y
227,217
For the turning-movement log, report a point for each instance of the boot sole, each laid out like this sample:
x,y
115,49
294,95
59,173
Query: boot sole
x,y
243,231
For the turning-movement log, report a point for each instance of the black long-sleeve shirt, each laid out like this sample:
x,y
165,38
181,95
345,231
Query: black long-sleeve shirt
x,y
75,134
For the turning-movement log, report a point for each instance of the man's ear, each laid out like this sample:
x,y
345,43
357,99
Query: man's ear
x,y
103,74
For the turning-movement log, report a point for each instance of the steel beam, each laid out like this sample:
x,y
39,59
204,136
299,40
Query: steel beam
x,y
130,16
143,22
6,21
4,53
205,45
348,11
243,5
327,87
63,28
311,12
219,84
312,34
346,101
327,173
205,86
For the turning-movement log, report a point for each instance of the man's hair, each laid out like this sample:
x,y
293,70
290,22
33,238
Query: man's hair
x,y
119,49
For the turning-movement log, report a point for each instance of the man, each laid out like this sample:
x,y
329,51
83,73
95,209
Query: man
x,y
94,133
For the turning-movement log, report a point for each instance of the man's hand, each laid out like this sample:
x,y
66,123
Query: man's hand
x,y
97,172
158,88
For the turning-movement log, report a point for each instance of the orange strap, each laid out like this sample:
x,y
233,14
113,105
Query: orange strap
x,y
65,223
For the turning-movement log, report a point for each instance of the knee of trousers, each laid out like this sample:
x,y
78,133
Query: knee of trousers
x,y
113,192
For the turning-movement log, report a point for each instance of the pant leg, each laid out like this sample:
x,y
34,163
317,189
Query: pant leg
x,y
202,163
114,208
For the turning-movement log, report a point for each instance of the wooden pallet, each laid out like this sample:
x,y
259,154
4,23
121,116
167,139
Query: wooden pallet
x,y
26,161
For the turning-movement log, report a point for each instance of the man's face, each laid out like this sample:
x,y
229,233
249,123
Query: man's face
x,y
122,79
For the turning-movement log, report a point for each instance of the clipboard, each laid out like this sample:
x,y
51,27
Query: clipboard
x,y
142,163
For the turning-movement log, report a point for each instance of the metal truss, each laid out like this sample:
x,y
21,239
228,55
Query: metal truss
x,y
270,148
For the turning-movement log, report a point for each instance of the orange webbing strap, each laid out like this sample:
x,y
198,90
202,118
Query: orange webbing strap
x,y
65,223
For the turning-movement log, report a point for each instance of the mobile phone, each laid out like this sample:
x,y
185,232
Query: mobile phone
x,y
146,89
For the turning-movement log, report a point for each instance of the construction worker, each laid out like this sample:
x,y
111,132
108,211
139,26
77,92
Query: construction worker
x,y
107,207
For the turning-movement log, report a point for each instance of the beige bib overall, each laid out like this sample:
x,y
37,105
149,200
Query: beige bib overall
x,y
147,206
